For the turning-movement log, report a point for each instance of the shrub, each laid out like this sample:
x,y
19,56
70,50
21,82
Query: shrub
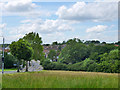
x,y
9,61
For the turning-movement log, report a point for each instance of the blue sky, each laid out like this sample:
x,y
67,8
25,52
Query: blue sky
x,y
58,21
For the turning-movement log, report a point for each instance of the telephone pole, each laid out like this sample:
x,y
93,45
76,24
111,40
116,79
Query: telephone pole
x,y
3,48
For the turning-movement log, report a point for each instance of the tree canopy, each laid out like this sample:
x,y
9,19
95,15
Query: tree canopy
x,y
21,50
35,41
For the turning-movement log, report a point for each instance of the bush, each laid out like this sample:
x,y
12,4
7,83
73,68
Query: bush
x,y
9,61
76,67
53,65
86,65
46,64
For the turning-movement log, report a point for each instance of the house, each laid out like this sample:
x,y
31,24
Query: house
x,y
7,49
0,49
52,47
116,45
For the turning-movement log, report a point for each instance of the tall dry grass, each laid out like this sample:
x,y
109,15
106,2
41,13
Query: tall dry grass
x,y
60,79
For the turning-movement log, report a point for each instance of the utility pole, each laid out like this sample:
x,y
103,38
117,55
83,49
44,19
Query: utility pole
x,y
3,57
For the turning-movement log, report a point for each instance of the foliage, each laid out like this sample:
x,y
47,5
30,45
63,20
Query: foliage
x,y
53,65
86,65
110,62
52,55
9,61
35,41
55,43
92,42
21,50
94,56
74,40
74,52
102,49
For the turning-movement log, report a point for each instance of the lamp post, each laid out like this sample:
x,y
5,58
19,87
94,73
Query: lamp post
x,y
3,55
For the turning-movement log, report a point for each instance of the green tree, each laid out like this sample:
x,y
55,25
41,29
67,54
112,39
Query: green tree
x,y
21,50
55,43
73,53
9,60
94,56
74,40
35,41
109,62
52,55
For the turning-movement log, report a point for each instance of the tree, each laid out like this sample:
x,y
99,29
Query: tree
x,y
74,52
63,42
35,41
9,60
103,42
74,40
55,43
94,56
52,55
21,50
109,62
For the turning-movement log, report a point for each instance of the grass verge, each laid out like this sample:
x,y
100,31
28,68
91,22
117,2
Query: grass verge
x,y
13,69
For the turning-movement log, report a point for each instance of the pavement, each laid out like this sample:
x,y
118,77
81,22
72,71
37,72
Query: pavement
x,y
35,66
9,72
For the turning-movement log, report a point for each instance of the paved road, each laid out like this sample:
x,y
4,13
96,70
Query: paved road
x,y
35,66
9,72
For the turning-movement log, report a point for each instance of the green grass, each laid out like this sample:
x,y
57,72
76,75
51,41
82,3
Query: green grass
x,y
13,69
60,79
0,81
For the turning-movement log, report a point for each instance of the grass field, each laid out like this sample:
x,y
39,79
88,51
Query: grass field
x,y
60,79
0,81
9,69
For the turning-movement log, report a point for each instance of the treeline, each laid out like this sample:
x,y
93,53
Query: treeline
x,y
77,56
85,42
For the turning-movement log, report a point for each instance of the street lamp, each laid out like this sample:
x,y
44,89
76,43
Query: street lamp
x,y
3,55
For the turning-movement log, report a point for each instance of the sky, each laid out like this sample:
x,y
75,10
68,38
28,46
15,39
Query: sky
x,y
59,21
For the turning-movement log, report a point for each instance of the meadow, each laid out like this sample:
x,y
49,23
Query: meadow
x,y
60,79
0,81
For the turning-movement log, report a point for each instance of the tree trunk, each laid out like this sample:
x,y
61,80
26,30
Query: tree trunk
x,y
26,66
29,63
18,66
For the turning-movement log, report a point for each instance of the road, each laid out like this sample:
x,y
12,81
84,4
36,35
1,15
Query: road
x,y
35,66
9,71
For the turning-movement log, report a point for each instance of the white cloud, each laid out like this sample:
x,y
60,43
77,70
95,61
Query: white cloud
x,y
96,32
107,0
19,6
101,33
23,8
50,30
52,37
1,32
44,27
2,26
82,11
98,28
10,38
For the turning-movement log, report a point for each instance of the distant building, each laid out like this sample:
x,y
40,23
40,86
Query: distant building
x,y
0,49
116,45
52,47
7,49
